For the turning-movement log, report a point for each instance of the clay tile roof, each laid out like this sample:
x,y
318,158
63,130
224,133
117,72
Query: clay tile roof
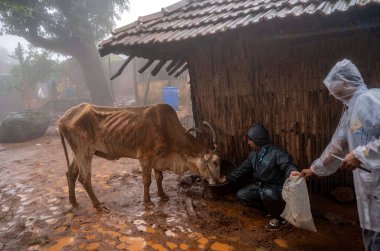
x,y
189,19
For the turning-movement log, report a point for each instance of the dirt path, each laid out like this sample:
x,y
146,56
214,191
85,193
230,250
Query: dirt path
x,y
35,213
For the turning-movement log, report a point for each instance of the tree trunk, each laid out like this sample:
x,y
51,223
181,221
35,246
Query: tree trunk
x,y
97,83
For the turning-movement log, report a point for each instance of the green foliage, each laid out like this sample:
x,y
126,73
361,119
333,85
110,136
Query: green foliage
x,y
52,19
69,27
39,66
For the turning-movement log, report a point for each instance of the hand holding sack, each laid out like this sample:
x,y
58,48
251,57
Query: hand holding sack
x,y
297,210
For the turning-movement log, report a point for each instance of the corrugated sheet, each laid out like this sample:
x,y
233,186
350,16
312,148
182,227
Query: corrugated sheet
x,y
190,19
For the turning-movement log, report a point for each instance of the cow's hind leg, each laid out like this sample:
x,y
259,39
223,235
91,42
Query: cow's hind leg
x,y
85,180
72,175
147,180
159,177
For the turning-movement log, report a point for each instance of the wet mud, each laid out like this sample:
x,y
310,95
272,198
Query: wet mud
x,y
35,213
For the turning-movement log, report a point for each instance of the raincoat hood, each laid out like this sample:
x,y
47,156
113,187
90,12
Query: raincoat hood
x,y
259,135
345,82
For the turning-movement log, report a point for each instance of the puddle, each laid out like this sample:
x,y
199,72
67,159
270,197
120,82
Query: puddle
x,y
103,231
183,246
27,195
171,245
150,230
202,242
92,246
90,237
66,241
281,243
158,247
133,243
218,246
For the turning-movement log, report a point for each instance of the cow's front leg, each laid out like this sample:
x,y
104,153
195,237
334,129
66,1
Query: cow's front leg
x,y
159,177
147,180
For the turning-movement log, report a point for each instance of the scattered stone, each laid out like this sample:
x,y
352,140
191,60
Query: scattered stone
x,y
230,197
343,194
190,209
34,248
188,179
136,170
30,221
338,219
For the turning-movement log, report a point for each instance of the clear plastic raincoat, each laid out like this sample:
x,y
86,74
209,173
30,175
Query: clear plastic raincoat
x,y
358,132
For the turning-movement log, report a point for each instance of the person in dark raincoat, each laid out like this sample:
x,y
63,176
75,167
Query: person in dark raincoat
x,y
267,167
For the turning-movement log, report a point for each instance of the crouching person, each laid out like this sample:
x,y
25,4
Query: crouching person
x,y
267,166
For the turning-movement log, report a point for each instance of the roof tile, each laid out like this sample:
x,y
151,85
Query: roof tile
x,y
190,19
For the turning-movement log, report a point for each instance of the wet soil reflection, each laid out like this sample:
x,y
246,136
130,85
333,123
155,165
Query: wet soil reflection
x,y
35,213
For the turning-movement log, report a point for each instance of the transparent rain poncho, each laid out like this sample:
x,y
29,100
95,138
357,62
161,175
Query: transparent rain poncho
x,y
359,132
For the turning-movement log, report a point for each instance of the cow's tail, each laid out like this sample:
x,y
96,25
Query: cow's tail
x,y
64,148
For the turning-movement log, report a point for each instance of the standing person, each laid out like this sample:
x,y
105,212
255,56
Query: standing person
x,y
357,140
269,166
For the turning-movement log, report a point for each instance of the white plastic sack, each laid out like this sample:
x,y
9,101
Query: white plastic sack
x,y
297,210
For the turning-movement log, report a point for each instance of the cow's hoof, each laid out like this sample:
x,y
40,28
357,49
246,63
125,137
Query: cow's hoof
x,y
164,197
149,204
74,205
102,208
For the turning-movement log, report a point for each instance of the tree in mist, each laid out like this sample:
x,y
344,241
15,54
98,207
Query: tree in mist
x,y
37,66
69,27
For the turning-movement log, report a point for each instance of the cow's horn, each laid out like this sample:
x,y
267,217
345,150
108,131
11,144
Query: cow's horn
x,y
213,135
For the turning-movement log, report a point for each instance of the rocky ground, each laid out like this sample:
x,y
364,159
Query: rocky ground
x,y
35,213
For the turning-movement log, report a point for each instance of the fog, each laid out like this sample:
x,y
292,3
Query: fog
x,y
137,8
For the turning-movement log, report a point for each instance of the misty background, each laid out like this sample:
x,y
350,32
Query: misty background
x,y
59,70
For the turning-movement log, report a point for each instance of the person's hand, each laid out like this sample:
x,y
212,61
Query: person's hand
x,y
350,162
307,173
294,173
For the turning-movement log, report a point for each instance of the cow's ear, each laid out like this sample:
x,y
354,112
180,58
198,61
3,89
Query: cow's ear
x,y
207,156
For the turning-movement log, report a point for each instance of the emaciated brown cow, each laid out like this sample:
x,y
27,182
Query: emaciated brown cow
x,y
151,134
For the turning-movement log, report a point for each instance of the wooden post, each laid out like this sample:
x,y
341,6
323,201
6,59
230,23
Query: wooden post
x,y
109,74
135,82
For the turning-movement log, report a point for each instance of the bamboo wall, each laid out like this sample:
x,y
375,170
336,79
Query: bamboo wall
x,y
244,80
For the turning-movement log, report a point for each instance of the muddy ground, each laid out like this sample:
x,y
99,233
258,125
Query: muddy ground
x,y
35,213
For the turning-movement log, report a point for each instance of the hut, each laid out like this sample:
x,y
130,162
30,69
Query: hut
x,y
262,61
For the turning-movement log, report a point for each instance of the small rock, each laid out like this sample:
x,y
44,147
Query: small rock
x,y
136,170
230,197
188,179
338,219
343,194
34,248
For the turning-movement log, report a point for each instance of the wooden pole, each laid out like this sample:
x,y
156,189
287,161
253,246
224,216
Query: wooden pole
x,y
135,82
109,74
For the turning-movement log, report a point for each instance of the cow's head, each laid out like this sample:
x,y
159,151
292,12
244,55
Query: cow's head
x,y
209,164
209,168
